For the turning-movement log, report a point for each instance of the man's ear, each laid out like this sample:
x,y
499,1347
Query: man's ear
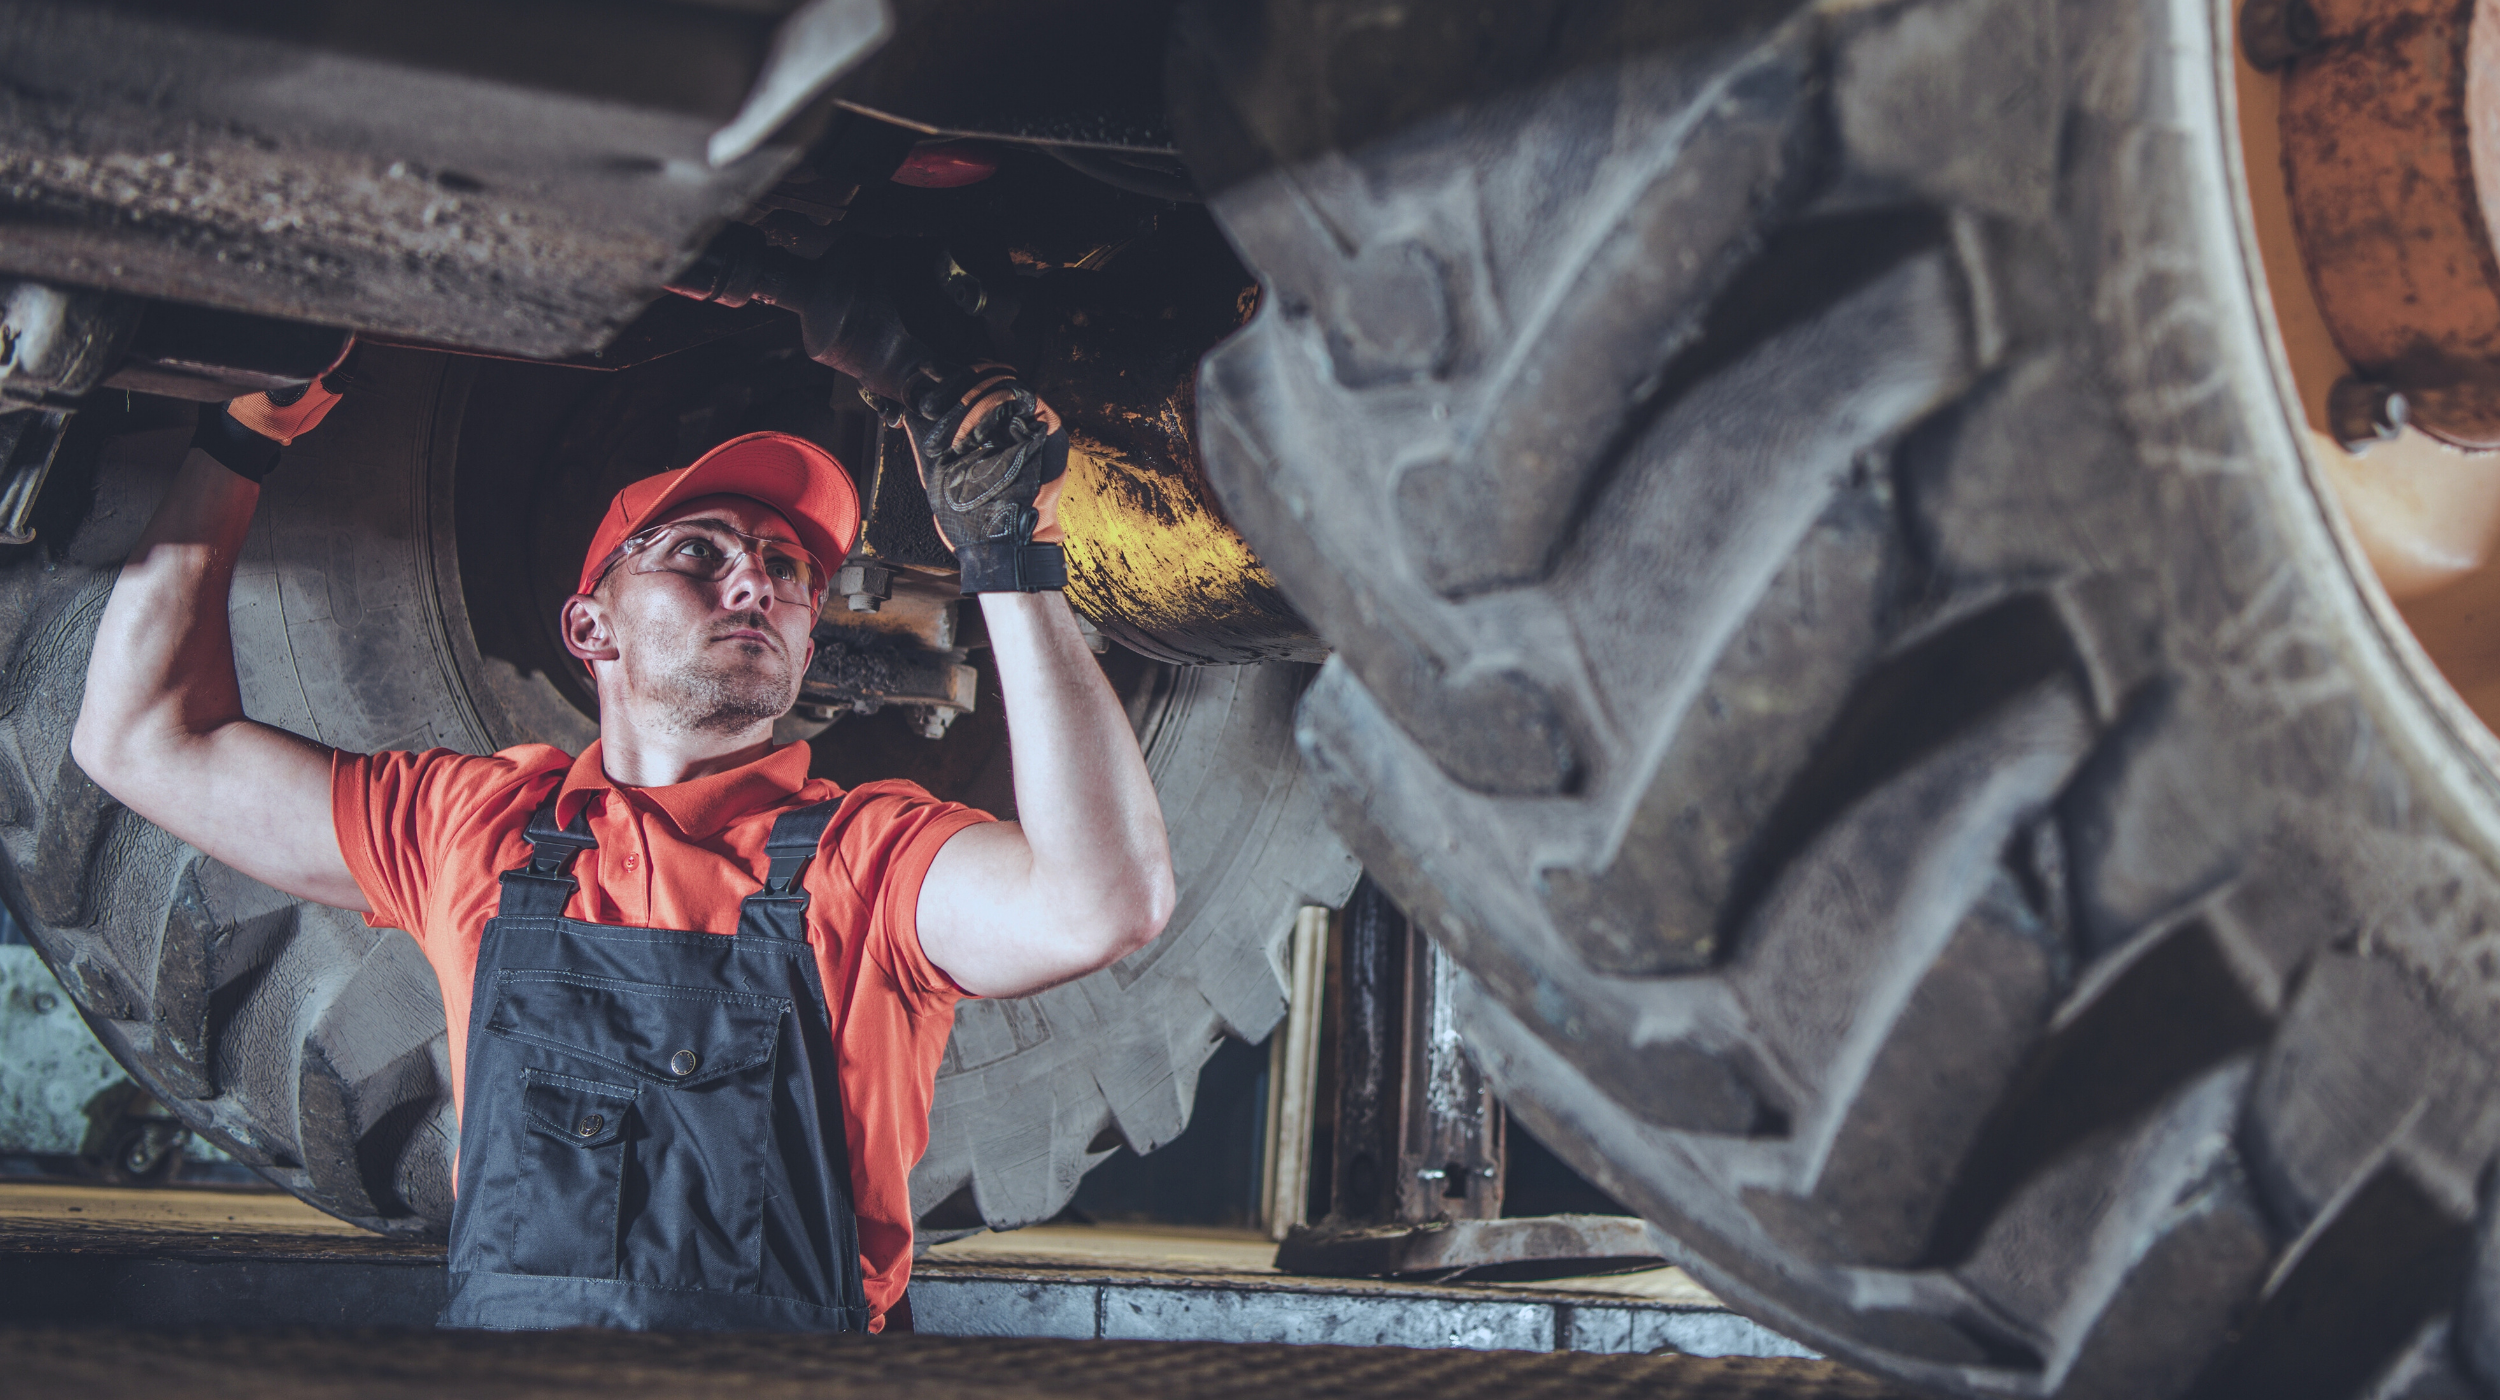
x,y
586,631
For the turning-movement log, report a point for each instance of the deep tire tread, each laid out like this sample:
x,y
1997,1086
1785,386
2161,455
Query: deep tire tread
x,y
2034,1090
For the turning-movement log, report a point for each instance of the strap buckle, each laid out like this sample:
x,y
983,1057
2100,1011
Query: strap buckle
x,y
553,848
795,836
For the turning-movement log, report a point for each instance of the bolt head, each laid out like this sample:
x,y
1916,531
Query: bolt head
x,y
2274,32
2363,414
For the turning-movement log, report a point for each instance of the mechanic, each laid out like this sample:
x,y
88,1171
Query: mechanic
x,y
663,1126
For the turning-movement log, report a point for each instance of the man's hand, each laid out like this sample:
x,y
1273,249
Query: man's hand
x,y
990,451
992,456
245,434
282,417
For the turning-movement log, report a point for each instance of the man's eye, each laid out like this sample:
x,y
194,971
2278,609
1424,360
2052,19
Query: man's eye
x,y
781,566
697,547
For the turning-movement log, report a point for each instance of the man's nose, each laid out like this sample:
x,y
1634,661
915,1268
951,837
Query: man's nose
x,y
746,585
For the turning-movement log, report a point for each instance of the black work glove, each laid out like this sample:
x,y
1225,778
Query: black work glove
x,y
992,456
245,434
991,453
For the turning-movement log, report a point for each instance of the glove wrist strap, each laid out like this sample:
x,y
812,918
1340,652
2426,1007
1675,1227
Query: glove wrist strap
x,y
237,448
1005,566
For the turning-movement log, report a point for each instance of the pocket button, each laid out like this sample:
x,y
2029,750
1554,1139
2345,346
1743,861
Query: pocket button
x,y
683,1063
590,1125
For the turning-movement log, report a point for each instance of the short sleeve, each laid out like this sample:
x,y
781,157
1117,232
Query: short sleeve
x,y
400,816
886,837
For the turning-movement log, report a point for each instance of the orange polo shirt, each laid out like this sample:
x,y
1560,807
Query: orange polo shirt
x,y
427,834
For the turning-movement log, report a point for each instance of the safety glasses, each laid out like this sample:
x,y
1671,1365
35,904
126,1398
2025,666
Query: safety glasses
x,y
711,550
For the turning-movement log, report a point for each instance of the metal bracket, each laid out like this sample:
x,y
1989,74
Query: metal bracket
x,y
29,441
56,343
1512,1250
891,641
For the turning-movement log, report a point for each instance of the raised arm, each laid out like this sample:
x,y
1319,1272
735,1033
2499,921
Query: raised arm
x,y
1086,877
162,726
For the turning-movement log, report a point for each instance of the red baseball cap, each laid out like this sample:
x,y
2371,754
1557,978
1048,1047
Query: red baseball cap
x,y
792,475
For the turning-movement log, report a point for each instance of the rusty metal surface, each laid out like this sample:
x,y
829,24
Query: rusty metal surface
x,y
96,1364
2390,176
1419,1136
1416,1162
510,177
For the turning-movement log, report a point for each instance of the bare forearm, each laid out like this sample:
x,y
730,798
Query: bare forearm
x,y
162,726
1085,874
1101,864
163,667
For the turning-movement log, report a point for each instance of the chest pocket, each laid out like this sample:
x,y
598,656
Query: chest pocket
x,y
677,1037
646,1122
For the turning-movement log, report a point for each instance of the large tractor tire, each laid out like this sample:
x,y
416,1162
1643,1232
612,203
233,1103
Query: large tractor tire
x,y
1836,633
386,600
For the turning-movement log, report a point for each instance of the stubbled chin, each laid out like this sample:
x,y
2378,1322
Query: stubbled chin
x,y
724,690
764,675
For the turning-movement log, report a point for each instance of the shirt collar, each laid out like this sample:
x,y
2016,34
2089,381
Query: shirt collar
x,y
699,808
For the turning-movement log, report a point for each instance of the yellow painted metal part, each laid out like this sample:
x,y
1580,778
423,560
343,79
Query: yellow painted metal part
x,y
1145,546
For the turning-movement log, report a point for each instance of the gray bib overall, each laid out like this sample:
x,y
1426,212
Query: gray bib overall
x,y
652,1134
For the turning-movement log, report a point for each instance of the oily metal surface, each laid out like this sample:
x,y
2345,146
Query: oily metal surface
x,y
94,1363
2390,176
1152,559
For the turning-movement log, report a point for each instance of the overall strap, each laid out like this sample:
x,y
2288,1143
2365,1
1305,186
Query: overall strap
x,y
779,910
541,889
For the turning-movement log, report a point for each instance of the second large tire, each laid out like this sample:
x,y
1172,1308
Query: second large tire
x,y
384,601
1836,633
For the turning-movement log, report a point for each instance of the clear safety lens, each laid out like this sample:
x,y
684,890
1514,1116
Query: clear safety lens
x,y
711,550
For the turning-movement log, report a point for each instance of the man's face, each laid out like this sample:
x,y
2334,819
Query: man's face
x,y
714,656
